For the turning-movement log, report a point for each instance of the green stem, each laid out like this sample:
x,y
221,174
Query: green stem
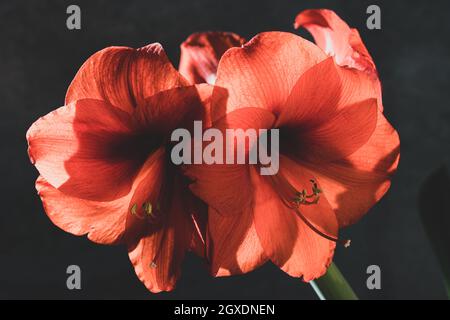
x,y
333,286
447,283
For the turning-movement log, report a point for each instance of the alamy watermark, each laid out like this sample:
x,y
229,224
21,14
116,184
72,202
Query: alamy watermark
x,y
249,146
374,280
73,21
374,20
73,281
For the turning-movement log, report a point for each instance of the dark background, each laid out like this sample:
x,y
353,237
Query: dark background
x,y
39,57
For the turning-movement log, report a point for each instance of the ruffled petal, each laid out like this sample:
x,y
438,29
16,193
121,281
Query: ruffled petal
x,y
321,93
356,183
158,255
263,72
174,108
314,98
227,187
87,149
286,239
104,222
343,43
336,38
201,53
335,139
233,244
124,77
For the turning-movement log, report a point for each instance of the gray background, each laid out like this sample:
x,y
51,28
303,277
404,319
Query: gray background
x,y
39,57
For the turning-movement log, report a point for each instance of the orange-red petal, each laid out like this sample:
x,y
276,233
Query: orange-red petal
x,y
354,184
173,108
226,187
124,77
314,99
86,149
158,255
201,53
337,138
343,43
105,222
233,243
263,72
286,239
336,38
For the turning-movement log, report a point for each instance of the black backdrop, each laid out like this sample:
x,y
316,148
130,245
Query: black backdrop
x,y
39,57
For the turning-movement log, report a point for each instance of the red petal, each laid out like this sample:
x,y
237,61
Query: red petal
x,y
263,72
321,92
354,184
86,149
337,138
124,77
343,43
314,98
336,38
227,187
286,239
201,52
104,222
234,244
173,108
158,255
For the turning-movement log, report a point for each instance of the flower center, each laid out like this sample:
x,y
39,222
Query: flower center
x,y
294,199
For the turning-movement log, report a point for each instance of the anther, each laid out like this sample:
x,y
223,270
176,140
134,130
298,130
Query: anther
x,y
134,209
147,206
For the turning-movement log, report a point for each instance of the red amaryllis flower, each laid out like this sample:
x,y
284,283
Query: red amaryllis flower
x,y
201,52
338,40
337,155
103,161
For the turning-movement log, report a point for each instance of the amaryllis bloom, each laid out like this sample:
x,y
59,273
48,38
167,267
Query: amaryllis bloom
x,y
337,156
104,164
201,53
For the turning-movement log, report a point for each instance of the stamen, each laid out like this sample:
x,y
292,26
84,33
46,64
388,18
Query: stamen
x,y
147,209
153,265
303,198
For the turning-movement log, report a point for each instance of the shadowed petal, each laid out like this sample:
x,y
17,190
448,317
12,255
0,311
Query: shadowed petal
x,y
201,52
157,256
174,108
124,77
87,149
234,245
105,222
354,184
335,139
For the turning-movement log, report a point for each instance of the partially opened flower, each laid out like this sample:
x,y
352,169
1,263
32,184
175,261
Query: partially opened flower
x,y
103,161
337,156
338,40
201,53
